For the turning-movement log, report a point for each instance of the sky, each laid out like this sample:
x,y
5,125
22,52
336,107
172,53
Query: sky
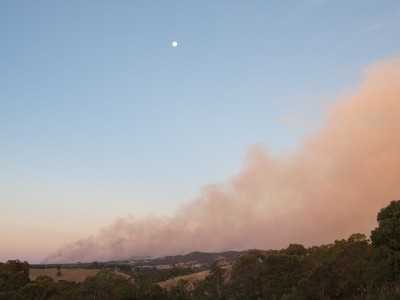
x,y
104,125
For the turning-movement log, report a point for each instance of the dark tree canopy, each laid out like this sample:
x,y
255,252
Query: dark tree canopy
x,y
388,231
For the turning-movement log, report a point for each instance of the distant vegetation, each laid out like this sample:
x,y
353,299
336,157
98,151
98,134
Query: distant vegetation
x,y
356,268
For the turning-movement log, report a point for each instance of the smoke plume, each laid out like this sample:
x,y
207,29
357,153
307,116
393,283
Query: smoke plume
x,y
333,186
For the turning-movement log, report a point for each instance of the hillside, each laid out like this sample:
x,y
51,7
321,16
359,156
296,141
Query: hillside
x,y
75,275
191,278
196,261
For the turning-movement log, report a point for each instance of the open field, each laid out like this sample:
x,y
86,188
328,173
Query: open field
x,y
77,275
191,278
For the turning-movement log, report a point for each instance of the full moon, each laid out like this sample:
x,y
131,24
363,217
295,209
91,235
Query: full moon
x,y
174,44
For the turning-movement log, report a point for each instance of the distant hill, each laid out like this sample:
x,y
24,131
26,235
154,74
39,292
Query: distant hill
x,y
197,261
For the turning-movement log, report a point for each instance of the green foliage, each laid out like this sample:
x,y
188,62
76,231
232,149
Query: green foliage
x,y
386,241
179,291
213,287
280,273
338,270
14,275
388,231
295,249
106,285
173,272
246,277
42,288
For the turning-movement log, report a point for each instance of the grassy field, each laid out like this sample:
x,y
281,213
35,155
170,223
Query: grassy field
x,y
77,275
191,278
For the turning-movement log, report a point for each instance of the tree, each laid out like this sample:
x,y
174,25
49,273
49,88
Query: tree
x,y
295,249
14,275
336,270
386,241
179,291
214,286
107,285
281,272
388,231
42,288
246,276
215,281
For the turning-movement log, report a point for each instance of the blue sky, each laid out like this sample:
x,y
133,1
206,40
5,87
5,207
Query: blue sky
x,y
101,117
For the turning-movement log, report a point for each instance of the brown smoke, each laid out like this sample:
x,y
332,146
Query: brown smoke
x,y
332,187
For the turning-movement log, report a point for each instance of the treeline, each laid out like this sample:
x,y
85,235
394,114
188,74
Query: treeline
x,y
356,268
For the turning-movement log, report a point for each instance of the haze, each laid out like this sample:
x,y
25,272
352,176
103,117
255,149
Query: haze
x,y
115,144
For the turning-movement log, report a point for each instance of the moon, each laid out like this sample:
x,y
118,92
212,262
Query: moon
x,y
174,44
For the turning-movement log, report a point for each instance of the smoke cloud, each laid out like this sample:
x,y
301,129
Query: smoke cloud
x,y
333,186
